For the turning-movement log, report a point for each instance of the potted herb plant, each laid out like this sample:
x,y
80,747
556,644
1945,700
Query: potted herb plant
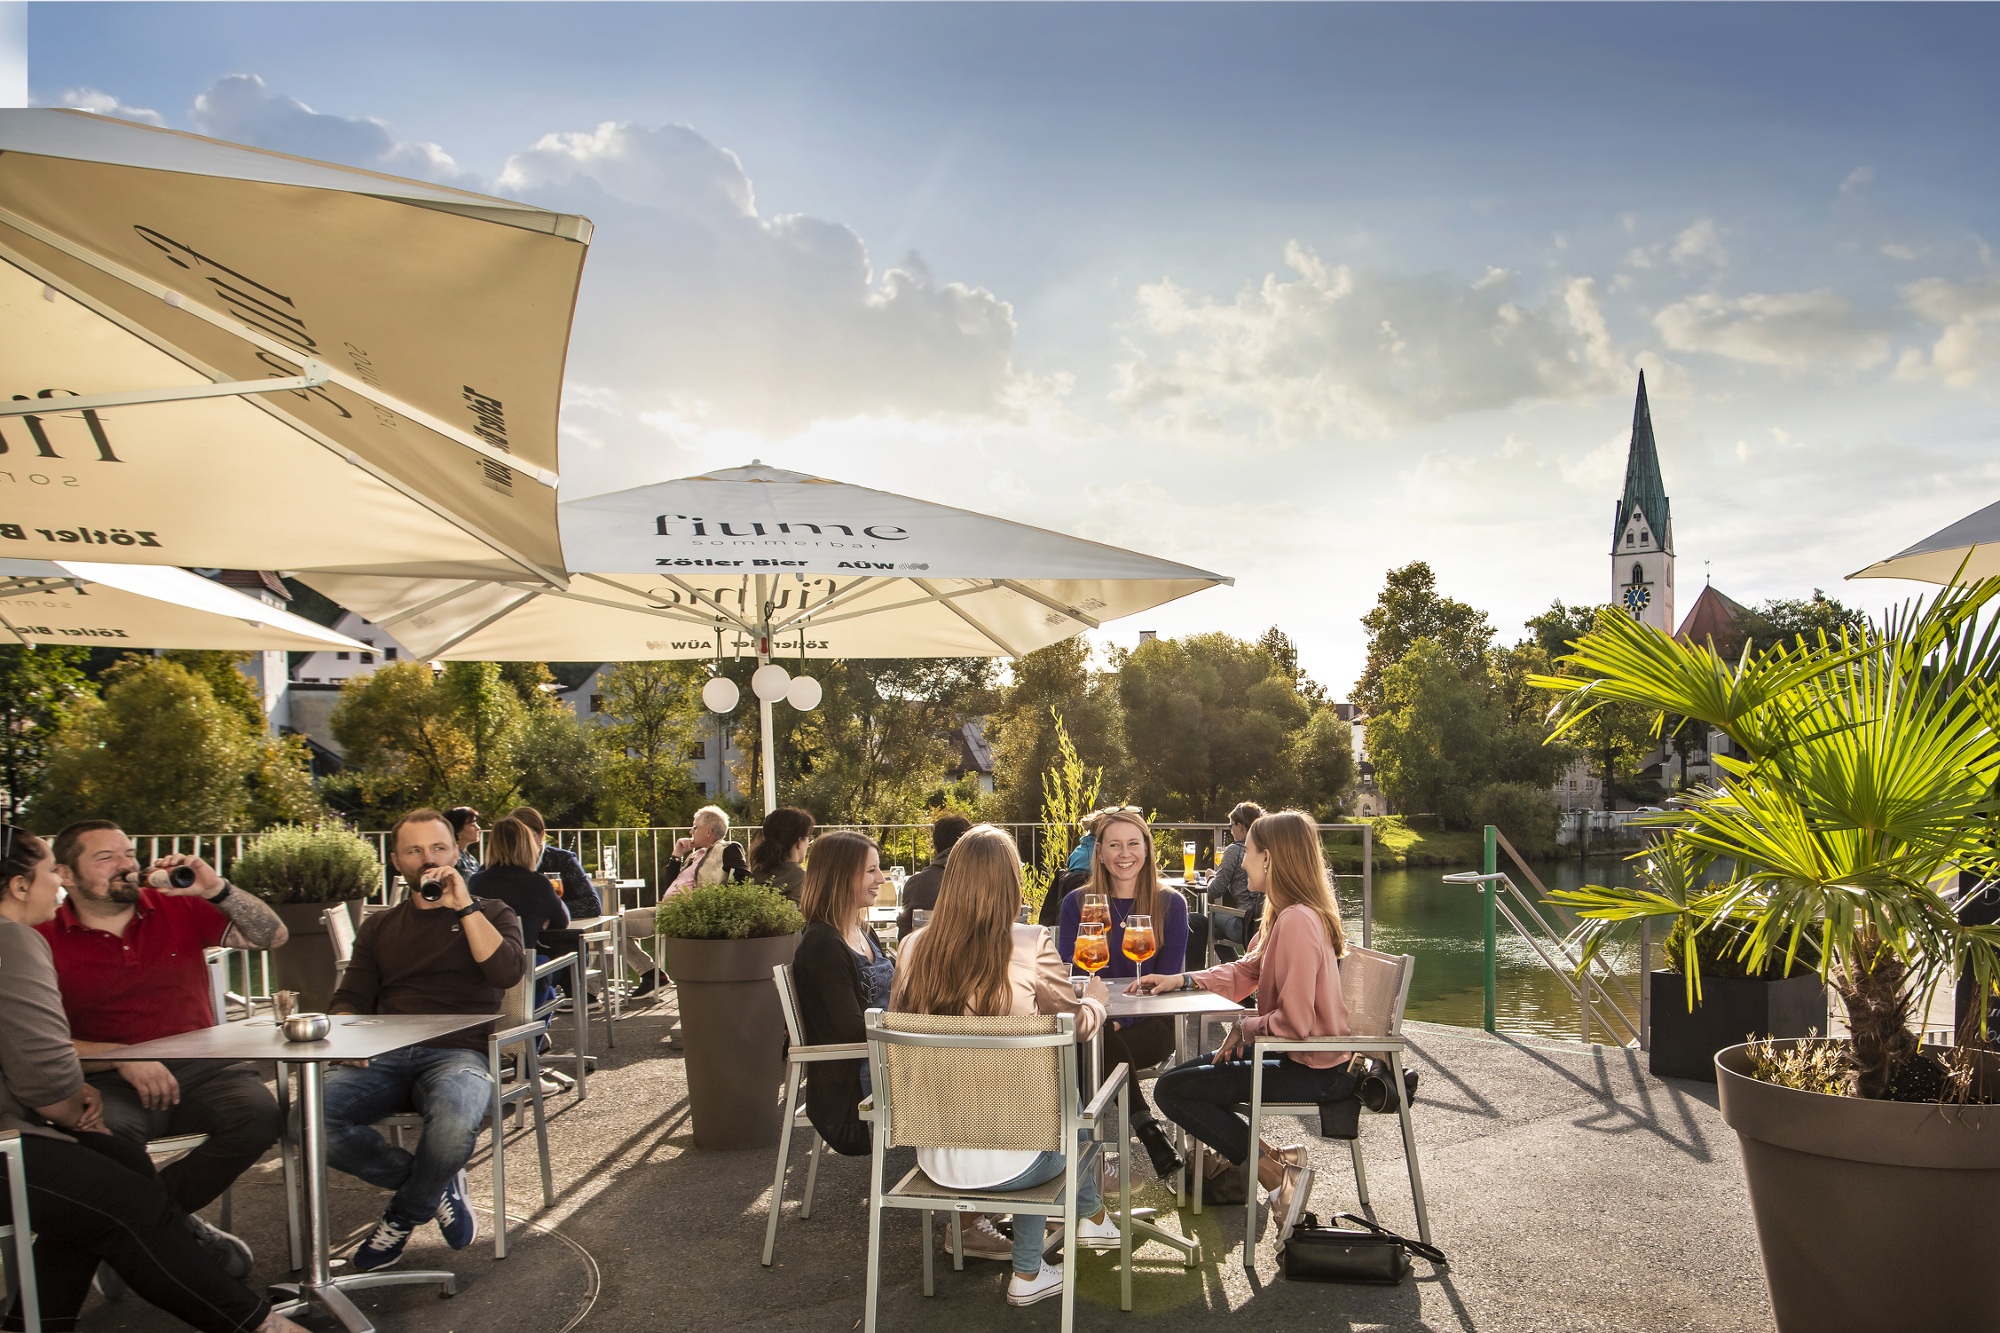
x,y
1869,775
722,940
301,870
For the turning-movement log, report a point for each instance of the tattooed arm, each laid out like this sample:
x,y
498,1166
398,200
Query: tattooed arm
x,y
252,923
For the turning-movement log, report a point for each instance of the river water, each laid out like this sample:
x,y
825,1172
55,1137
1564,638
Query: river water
x,y
1442,924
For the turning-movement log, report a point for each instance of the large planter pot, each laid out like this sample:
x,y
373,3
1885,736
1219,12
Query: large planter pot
x,y
733,1034
1871,1215
1730,1010
304,962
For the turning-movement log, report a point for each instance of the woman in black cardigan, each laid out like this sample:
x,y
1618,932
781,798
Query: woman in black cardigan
x,y
833,989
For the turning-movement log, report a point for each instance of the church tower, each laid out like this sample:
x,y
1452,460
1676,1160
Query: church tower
x,y
1642,532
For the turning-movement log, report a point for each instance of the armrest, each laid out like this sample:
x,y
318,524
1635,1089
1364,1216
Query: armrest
x,y
1112,1082
1330,1044
554,965
1237,912
513,1036
850,1050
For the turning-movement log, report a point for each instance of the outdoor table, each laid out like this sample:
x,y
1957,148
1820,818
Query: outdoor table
x,y
353,1037
1181,1006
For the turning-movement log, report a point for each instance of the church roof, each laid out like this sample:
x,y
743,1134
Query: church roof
x,y
1713,619
1644,490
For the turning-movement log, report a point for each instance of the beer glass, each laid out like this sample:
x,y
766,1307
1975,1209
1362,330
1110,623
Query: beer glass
x,y
1187,862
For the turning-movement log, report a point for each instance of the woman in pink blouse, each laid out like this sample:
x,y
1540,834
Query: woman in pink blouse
x,y
1293,968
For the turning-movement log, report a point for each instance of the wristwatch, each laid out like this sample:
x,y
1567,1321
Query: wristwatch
x,y
462,912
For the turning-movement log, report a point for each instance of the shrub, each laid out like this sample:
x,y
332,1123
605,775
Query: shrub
x,y
728,912
297,863
1524,814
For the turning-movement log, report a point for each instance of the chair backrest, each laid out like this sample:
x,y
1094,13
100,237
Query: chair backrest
x,y
1375,987
788,1002
218,984
964,1082
517,1004
340,930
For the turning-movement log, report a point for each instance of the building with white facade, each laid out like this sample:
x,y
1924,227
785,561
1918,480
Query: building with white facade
x,y
711,760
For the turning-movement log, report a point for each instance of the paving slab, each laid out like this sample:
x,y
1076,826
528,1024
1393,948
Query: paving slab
x,y
1570,1189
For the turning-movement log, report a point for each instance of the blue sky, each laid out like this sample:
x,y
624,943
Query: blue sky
x,y
1295,293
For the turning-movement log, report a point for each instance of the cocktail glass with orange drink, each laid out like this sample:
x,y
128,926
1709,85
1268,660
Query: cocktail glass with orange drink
x,y
1139,943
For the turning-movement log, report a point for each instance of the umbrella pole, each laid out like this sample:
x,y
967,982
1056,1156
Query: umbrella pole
x,y
770,767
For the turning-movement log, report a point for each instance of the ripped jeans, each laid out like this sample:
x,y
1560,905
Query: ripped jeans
x,y
450,1089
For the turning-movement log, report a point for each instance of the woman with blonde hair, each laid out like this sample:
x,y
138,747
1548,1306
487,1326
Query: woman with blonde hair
x,y
1293,967
1123,872
974,959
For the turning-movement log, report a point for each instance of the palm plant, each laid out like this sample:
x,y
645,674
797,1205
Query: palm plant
x,y
1868,778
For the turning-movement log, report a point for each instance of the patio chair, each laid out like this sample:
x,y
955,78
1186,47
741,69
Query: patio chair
x,y
340,933
944,1081
19,1234
522,1021
797,1056
1376,988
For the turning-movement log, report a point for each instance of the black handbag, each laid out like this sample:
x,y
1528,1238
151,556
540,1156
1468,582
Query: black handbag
x,y
1376,1087
1314,1253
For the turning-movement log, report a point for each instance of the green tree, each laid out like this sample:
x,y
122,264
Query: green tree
x,y
655,715
1322,757
39,688
1286,654
1410,608
1069,792
158,753
488,713
231,687
400,736
1432,739
568,769
1209,721
1785,621
1558,628
1054,682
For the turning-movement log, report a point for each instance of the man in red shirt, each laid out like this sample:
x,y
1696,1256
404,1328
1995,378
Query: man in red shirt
x,y
129,960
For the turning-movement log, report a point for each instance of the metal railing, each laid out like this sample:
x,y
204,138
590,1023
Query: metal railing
x,y
639,854
1559,951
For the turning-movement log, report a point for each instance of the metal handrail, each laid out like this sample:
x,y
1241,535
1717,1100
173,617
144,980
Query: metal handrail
x,y
1580,991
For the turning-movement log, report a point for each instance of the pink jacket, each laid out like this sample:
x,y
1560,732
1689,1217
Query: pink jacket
x,y
1296,979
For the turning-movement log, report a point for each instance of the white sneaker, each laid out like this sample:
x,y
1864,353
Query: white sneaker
x,y
1104,1235
1025,1290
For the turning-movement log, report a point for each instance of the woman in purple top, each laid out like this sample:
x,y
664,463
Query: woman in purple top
x,y
1122,870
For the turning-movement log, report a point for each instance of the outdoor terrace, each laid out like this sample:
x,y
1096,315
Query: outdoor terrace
x,y
1570,1189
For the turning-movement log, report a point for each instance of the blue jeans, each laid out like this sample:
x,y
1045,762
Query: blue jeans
x,y
450,1089
1028,1231
1198,1096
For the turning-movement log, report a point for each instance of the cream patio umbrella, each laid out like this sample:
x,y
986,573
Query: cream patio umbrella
x,y
82,604
777,564
1973,543
213,355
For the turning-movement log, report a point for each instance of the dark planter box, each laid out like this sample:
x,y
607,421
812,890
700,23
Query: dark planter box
x,y
1731,1011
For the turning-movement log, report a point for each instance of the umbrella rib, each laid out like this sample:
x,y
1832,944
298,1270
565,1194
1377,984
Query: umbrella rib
x,y
960,612
695,593
91,303
506,610
664,613
944,597
432,605
14,588
854,590
1014,585
352,384
9,626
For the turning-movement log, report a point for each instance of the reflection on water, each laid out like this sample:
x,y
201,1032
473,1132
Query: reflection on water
x,y
1443,925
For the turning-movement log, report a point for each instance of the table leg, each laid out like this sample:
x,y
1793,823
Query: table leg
x,y
579,1005
320,1286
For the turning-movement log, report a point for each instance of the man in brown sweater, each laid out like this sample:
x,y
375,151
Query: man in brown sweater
x,y
448,954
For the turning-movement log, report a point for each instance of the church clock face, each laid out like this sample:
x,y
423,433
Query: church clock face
x,y
1636,600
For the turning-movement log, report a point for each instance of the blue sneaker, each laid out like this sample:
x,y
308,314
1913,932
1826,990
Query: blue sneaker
x,y
454,1215
385,1246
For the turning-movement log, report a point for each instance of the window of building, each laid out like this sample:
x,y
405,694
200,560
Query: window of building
x,y
699,750
388,654
340,657
1630,538
701,789
310,680
1638,573
368,658
596,703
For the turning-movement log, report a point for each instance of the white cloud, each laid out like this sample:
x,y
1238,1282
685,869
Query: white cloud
x,y
1702,242
697,309
1791,329
242,110
1857,178
104,104
1897,251
1356,350
1968,315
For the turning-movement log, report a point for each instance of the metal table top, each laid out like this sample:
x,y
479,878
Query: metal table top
x,y
354,1037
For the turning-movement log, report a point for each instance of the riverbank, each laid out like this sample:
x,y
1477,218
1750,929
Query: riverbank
x,y
1397,846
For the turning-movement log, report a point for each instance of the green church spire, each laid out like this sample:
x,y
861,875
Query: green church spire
x,y
1644,490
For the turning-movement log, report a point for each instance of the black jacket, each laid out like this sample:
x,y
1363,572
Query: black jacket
x,y
529,894
920,893
1067,882
831,1002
